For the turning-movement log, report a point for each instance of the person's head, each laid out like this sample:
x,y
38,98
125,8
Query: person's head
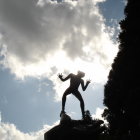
x,y
81,74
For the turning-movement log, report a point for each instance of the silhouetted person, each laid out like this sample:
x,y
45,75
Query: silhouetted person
x,y
75,81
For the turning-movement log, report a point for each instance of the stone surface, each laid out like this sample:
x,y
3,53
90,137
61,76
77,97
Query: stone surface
x,y
69,129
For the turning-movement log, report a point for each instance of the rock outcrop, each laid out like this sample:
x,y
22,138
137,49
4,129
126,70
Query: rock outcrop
x,y
69,129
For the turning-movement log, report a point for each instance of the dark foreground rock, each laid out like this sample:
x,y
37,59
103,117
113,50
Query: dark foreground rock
x,y
69,129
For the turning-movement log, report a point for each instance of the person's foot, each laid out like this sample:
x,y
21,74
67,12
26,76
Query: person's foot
x,y
83,118
62,112
83,115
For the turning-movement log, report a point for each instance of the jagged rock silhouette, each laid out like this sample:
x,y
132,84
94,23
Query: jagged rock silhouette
x,y
69,129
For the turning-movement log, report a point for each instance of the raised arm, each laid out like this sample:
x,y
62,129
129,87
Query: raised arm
x,y
84,86
64,79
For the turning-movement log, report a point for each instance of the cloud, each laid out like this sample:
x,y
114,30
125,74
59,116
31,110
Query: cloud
x,y
42,38
125,2
98,113
9,131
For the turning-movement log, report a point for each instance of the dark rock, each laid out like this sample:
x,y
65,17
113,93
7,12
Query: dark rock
x,y
69,129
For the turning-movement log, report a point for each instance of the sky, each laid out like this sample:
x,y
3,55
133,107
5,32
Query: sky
x,y
38,40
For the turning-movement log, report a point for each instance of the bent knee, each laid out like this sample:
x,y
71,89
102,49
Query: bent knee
x,y
65,95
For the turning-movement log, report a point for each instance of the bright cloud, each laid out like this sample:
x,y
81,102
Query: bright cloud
x,y
42,38
10,132
98,113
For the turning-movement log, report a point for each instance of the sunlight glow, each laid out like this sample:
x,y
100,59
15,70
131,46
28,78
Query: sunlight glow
x,y
75,44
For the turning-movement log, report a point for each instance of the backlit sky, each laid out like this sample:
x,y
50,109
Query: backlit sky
x,y
38,40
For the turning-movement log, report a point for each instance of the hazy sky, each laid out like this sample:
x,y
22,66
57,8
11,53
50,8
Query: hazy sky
x,y
38,40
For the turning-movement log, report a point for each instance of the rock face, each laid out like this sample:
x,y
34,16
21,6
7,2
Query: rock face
x,y
69,129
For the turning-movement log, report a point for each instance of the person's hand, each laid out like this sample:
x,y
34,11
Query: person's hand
x,y
60,75
88,81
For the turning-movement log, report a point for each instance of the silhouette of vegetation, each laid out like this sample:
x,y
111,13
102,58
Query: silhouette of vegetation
x,y
122,91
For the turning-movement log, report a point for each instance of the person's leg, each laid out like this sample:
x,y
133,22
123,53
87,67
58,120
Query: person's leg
x,y
82,105
64,99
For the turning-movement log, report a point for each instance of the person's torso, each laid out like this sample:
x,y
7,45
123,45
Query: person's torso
x,y
74,82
